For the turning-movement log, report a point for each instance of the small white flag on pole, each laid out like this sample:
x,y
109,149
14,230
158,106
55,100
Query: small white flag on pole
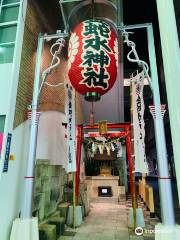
x,y
138,123
71,126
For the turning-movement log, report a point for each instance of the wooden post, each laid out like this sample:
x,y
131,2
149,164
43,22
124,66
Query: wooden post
x,y
134,197
78,161
131,176
74,199
144,178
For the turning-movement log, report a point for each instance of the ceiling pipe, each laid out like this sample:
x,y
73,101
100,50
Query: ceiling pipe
x,y
74,16
42,17
92,8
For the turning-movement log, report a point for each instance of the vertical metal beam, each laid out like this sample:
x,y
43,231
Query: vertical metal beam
x,y
171,61
1,2
92,9
29,178
120,76
167,210
119,4
66,26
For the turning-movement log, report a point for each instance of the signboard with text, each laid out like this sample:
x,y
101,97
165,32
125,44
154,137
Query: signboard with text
x,y
7,153
138,123
71,128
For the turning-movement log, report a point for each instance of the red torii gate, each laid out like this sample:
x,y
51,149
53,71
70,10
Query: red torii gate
x,y
126,133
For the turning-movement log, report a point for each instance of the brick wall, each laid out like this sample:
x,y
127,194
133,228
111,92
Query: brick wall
x,y
52,98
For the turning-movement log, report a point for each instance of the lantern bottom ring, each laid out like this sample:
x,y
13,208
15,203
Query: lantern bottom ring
x,y
92,96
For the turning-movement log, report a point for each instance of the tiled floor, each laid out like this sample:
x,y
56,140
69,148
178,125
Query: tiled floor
x,y
149,222
106,221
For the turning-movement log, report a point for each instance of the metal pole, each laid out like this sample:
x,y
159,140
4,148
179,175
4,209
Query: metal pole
x,y
119,4
165,190
120,76
63,16
171,61
29,178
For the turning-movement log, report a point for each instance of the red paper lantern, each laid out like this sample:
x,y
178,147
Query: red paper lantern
x,y
93,58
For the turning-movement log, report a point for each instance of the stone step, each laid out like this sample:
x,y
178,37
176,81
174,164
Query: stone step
x,y
104,200
121,202
63,208
47,232
59,222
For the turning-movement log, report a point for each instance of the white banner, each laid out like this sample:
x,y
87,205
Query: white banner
x,y
138,123
71,126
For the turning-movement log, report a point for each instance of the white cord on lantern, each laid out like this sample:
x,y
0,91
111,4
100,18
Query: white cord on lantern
x,y
54,63
140,63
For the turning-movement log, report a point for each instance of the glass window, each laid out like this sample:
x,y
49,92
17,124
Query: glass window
x,y
2,123
8,34
6,54
7,29
10,1
9,14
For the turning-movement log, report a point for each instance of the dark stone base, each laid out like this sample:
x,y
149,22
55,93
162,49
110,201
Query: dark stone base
x,y
152,215
47,232
59,222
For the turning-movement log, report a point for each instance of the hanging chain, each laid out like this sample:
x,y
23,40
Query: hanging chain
x,y
54,63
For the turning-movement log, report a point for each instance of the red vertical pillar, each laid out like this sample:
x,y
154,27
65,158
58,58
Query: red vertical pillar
x,y
130,151
130,160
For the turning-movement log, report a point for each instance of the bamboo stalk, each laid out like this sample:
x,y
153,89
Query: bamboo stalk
x,y
74,199
134,197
